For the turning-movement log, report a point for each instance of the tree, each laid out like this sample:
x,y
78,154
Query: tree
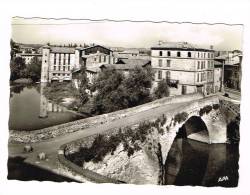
x,y
33,69
138,85
14,49
110,94
116,92
17,68
162,90
84,97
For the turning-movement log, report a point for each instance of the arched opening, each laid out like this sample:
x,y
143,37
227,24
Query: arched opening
x,y
195,129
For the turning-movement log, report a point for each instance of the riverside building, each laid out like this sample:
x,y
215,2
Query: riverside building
x,y
58,63
184,67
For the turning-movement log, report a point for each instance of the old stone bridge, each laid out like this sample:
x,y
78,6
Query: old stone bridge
x,y
203,122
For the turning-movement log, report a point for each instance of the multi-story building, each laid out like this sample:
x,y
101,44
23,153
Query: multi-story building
x,y
29,56
59,62
185,68
232,68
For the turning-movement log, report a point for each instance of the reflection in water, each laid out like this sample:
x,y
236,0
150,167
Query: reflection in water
x,y
19,170
30,110
194,163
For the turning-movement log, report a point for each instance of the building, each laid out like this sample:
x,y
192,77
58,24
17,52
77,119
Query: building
x,y
232,68
58,63
186,68
131,54
29,56
127,65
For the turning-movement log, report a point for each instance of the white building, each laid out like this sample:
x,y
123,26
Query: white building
x,y
59,62
185,67
29,56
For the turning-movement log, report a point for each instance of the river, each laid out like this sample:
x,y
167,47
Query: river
x,y
30,110
194,163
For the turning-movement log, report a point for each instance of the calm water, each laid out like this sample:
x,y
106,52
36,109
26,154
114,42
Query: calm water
x,y
195,163
18,170
30,110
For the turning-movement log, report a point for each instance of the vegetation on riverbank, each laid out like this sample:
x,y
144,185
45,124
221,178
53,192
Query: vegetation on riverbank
x,y
131,139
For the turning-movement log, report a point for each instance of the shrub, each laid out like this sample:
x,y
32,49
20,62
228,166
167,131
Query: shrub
x,y
216,106
130,151
205,109
180,117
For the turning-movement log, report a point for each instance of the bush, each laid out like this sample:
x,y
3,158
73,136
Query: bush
x,y
205,109
216,106
180,117
162,90
130,151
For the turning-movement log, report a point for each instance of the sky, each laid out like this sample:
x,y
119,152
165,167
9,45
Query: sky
x,y
125,34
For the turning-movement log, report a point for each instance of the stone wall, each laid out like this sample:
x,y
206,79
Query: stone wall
x,y
54,131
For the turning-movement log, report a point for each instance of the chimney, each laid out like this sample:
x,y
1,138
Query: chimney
x,y
211,47
159,42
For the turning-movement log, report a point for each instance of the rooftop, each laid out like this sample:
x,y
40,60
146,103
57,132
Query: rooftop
x,y
62,49
127,64
179,45
134,62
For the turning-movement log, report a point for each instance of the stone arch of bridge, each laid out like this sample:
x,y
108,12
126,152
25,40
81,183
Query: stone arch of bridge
x,y
194,128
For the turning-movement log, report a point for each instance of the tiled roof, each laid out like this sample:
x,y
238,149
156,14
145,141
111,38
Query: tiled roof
x,y
178,45
62,49
121,66
133,62
29,54
84,48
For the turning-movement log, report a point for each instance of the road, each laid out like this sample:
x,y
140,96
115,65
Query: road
x,y
51,146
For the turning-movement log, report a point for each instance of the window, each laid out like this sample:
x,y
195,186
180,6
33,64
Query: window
x,y
100,59
160,53
45,61
59,59
178,54
204,55
198,54
168,63
54,67
212,55
160,62
63,68
68,58
168,75
68,68
55,58
169,53
159,74
104,58
208,55
198,65
64,58
63,74
198,77
189,54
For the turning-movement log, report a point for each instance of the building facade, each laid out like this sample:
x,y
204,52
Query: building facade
x,y
185,68
29,56
58,63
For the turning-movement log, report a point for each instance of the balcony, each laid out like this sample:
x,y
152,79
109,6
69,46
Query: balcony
x,y
172,83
